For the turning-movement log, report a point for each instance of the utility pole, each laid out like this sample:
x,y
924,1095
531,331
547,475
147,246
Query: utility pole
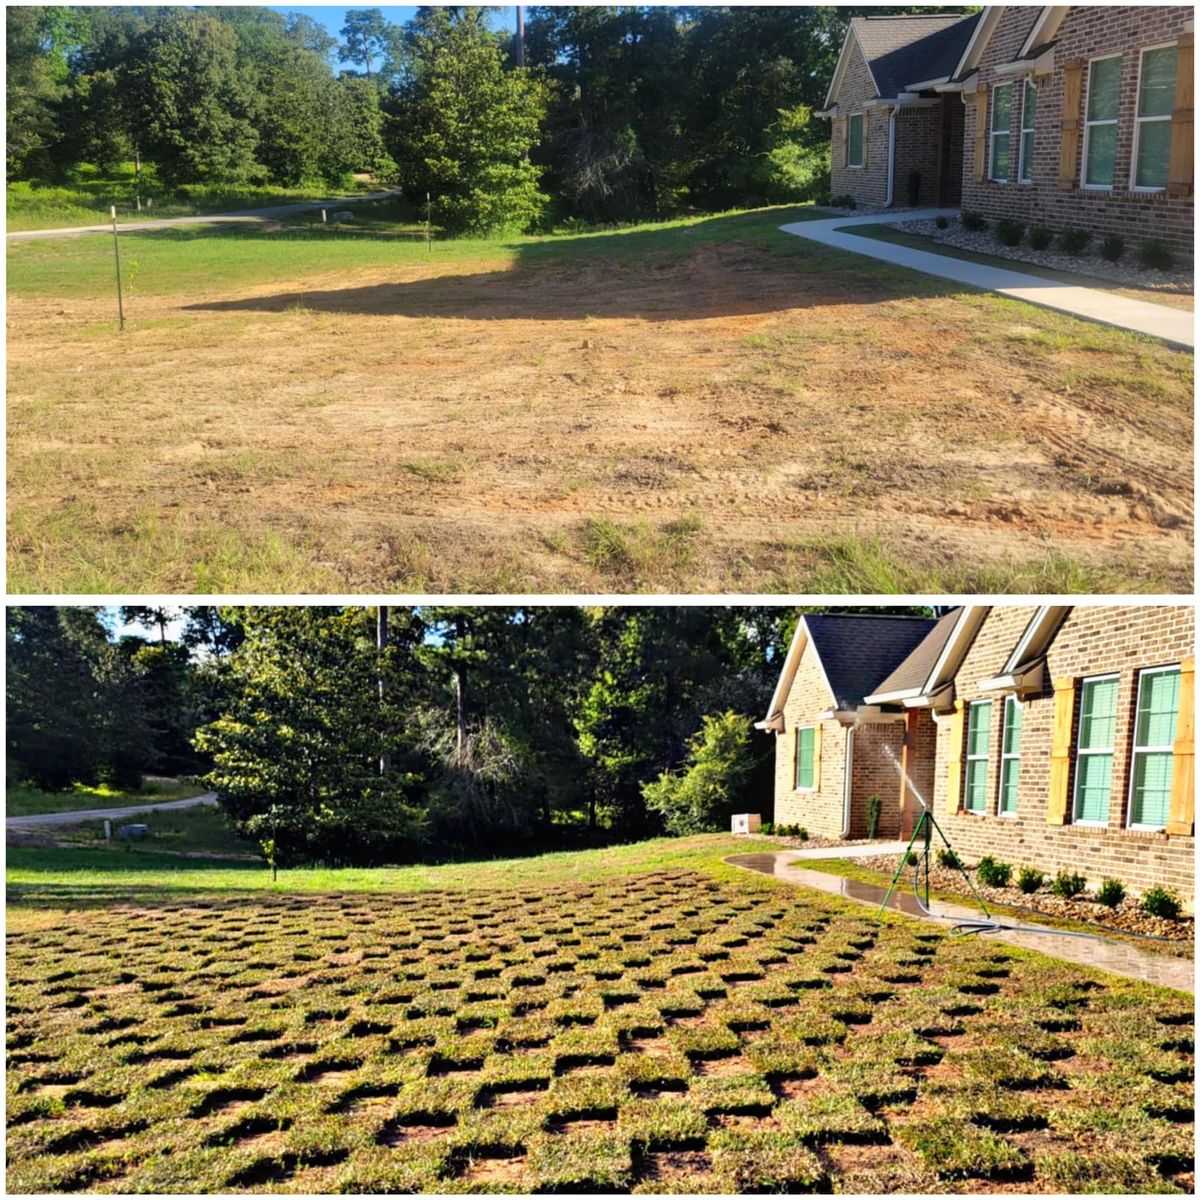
x,y
520,35
381,643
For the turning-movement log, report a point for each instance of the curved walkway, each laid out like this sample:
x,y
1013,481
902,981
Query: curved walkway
x,y
1102,954
99,814
1174,326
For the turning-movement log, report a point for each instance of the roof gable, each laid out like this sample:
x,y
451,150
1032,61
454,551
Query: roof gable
x,y
903,50
939,659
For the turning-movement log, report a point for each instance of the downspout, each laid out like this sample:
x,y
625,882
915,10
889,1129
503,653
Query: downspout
x,y
847,786
891,170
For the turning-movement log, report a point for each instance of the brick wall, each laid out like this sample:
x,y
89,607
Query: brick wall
x,y
1086,32
875,775
867,184
918,143
1092,640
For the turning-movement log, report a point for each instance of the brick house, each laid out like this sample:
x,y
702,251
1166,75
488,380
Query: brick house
x,y
1072,117
833,751
1064,739
890,128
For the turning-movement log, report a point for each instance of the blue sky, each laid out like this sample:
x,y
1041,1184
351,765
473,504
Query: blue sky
x,y
334,17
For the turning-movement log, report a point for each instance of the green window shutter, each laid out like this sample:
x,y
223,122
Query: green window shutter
x,y
1093,767
1028,128
1010,754
1153,748
979,722
804,757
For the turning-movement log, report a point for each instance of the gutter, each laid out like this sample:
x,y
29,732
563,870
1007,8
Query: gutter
x,y
891,174
847,785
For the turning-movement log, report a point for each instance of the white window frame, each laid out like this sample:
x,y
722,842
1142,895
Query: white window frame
x,y
1081,753
1135,749
1006,757
1028,83
862,116
812,787
1139,120
969,758
1088,126
994,133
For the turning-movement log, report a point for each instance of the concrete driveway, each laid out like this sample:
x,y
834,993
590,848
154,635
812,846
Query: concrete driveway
x,y
99,814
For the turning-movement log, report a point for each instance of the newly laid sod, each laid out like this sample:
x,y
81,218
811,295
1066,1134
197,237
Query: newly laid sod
x,y
702,405
661,1029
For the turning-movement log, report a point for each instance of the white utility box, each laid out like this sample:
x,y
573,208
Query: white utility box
x,y
746,822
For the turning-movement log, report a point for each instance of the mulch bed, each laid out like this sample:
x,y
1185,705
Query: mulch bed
x,y
1126,916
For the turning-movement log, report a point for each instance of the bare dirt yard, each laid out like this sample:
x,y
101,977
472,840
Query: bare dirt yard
x,y
709,406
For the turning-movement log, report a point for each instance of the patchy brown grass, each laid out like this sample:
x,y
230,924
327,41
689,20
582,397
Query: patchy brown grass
x,y
707,419
495,1040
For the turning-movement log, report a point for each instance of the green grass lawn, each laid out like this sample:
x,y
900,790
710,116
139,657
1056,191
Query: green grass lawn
x,y
85,198
29,801
642,1018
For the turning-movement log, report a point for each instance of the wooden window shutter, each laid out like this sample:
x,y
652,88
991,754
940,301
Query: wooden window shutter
x,y
1068,150
1182,815
1060,751
1181,171
954,759
981,132
817,757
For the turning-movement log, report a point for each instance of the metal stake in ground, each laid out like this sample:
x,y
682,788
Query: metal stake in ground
x,y
428,226
117,255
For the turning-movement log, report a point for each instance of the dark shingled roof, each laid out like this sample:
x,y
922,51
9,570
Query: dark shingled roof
x,y
915,669
904,50
858,651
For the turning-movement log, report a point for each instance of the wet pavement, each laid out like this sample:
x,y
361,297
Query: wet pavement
x,y
1101,953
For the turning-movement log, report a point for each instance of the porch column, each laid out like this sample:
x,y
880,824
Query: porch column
x,y
907,754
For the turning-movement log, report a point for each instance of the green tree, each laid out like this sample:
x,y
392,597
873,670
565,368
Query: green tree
x,y
35,83
703,795
462,127
367,37
296,752
191,103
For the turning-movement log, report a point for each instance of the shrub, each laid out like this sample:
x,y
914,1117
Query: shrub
x,y
913,189
1156,255
1112,247
948,859
846,201
766,827
973,221
874,808
1010,232
1074,241
1159,902
942,222
992,873
1110,893
1067,885
802,833
1029,880
1040,237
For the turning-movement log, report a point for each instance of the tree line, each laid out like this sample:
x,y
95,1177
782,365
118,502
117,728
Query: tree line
x,y
461,729
620,113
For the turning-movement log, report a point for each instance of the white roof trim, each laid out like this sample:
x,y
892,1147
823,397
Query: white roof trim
x,y
840,69
925,85
1036,636
773,721
1042,65
979,39
1045,27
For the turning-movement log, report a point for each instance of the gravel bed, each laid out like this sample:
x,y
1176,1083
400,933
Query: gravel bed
x,y
1127,916
812,842
1177,281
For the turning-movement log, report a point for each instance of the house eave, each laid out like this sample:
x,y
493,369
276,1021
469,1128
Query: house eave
x,y
1026,680
1036,64
927,85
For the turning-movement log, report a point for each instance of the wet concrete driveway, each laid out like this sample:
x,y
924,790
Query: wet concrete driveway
x,y
1102,953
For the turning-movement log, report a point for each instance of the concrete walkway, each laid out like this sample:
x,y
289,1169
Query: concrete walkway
x,y
1174,326
1101,953
99,814
246,217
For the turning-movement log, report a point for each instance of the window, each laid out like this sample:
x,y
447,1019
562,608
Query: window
x,y
1000,132
1028,125
1093,764
854,151
979,721
1010,756
1153,748
1100,123
804,758
1152,130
